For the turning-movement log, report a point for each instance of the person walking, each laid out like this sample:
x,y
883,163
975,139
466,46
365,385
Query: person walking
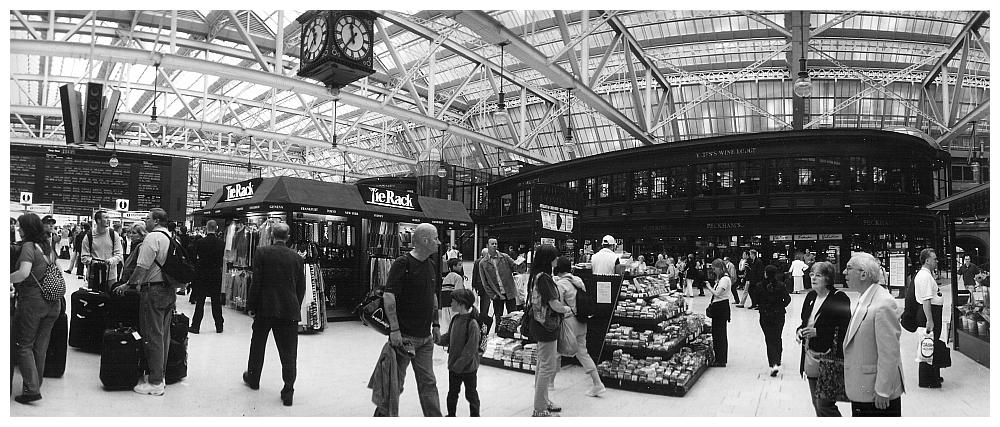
x,y
208,252
931,301
35,313
544,326
410,300
755,275
497,271
569,285
157,300
273,301
826,314
719,311
772,298
462,340
873,372
76,259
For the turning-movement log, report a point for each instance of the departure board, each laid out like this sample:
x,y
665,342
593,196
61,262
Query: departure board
x,y
78,180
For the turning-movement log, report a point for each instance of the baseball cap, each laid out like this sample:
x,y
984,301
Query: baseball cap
x,y
608,240
48,219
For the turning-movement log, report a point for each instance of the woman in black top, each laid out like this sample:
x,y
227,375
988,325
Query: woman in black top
x,y
546,313
826,313
771,299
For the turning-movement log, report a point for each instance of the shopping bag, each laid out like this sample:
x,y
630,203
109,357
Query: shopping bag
x,y
567,345
942,354
925,349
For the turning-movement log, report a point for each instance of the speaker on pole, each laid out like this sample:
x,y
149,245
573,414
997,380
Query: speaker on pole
x,y
107,117
92,112
69,98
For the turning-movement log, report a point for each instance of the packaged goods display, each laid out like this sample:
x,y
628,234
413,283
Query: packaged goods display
x,y
509,323
672,376
510,353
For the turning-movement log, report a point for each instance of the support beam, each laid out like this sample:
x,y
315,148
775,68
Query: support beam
x,y
586,32
264,64
494,32
640,54
767,22
832,23
959,91
982,110
637,105
604,60
574,62
977,21
24,21
84,21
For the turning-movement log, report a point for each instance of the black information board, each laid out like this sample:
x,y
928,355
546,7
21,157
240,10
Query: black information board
x,y
78,180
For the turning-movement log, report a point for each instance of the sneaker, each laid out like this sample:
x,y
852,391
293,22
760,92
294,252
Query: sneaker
x,y
774,371
150,389
596,391
543,414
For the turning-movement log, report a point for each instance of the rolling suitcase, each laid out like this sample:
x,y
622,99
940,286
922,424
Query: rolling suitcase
x,y
55,356
123,310
98,276
176,362
88,321
179,325
120,359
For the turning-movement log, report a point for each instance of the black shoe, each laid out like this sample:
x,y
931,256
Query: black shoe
x,y
936,385
68,271
246,380
79,276
717,365
193,330
940,380
754,306
218,329
286,397
28,398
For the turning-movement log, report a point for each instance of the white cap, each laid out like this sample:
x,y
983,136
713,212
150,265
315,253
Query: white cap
x,y
608,240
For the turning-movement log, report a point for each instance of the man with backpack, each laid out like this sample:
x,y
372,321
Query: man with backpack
x,y
156,299
102,251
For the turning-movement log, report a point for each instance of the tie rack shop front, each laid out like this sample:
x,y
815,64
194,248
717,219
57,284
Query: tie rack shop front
x,y
348,236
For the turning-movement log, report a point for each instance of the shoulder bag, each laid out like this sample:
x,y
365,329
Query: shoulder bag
x,y
830,381
542,313
53,285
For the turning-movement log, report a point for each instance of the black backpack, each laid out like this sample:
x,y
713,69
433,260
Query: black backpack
x,y
178,268
585,306
913,315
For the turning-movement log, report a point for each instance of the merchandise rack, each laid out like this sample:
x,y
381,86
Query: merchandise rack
x,y
643,352
506,364
669,389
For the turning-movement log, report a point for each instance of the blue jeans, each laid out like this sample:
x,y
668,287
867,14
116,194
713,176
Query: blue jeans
x,y
423,371
156,307
33,320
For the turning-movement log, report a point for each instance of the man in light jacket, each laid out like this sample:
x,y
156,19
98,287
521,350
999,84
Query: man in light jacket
x,y
497,274
873,372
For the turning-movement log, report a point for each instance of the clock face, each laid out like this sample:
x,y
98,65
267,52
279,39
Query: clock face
x,y
313,38
352,37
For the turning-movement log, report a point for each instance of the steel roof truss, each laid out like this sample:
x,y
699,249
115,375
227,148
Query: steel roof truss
x,y
574,62
767,22
594,26
977,20
962,68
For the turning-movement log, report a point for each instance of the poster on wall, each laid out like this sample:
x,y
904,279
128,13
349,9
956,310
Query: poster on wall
x,y
897,270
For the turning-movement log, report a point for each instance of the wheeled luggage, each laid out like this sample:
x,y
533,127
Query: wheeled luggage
x,y
87,324
55,356
176,361
120,359
123,310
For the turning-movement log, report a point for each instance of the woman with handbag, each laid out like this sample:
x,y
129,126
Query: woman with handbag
x,y
574,330
718,310
771,298
826,313
545,313
39,301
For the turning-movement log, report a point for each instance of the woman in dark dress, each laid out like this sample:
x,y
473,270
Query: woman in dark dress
x,y
826,313
771,298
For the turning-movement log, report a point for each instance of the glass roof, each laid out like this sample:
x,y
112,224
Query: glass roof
x,y
725,72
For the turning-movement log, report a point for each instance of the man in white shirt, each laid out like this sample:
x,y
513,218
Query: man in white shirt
x,y
102,251
929,296
605,260
450,252
873,372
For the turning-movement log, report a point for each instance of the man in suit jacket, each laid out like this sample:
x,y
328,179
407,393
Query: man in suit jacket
x,y
873,372
208,252
273,301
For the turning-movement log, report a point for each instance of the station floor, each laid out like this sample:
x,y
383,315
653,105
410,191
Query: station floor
x,y
334,367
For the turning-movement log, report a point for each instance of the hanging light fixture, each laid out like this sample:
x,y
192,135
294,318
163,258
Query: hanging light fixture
x,y
569,116
334,138
803,84
154,127
113,162
249,152
501,113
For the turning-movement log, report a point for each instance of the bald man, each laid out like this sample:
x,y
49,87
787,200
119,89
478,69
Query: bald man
x,y
411,305
274,301
208,252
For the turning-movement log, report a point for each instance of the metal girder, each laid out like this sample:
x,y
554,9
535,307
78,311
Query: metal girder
x,y
977,20
404,22
108,53
574,62
638,52
568,47
832,23
767,22
24,21
494,32
247,40
976,114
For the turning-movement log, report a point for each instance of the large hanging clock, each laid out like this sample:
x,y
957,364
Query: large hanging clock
x,y
336,45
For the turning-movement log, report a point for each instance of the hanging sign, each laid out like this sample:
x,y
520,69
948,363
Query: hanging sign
x,y
781,238
121,205
831,237
240,191
399,199
26,197
806,237
557,221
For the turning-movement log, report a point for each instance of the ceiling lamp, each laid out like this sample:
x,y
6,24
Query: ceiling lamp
x,y
501,113
153,127
569,116
803,84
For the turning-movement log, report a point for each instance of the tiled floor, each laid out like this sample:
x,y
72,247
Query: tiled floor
x,y
334,367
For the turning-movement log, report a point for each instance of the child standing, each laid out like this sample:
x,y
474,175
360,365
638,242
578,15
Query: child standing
x,y
462,340
452,282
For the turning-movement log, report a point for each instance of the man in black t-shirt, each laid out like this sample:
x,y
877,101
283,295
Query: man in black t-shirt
x,y
411,306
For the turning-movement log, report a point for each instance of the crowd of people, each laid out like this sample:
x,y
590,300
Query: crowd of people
x,y
865,337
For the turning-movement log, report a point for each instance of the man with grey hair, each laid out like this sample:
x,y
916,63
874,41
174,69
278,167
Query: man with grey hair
x,y
873,372
157,300
410,300
207,254
274,301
